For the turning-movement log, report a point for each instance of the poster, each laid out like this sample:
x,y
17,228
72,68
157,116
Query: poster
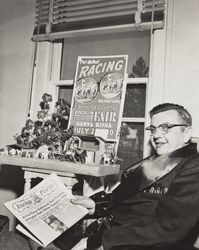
x,y
98,96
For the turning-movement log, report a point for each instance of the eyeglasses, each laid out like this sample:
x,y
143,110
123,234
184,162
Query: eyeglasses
x,y
163,128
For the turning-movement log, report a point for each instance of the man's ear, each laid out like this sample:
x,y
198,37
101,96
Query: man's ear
x,y
187,134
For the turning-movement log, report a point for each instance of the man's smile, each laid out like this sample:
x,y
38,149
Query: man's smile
x,y
159,142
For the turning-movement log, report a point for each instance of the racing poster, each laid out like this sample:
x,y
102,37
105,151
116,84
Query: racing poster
x,y
98,96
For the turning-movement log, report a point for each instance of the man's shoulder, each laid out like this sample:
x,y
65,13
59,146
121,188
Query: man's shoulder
x,y
190,162
187,154
192,158
191,152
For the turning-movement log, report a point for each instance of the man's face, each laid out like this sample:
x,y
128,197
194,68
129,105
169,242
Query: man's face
x,y
176,137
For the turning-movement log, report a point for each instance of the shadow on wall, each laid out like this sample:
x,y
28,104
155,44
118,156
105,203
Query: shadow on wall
x,y
11,186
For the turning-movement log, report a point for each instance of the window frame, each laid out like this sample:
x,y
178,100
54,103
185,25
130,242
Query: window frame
x,y
55,82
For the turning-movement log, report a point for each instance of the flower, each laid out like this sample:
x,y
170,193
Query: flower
x,y
49,137
50,128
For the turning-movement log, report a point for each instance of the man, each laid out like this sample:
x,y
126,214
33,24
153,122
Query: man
x,y
156,206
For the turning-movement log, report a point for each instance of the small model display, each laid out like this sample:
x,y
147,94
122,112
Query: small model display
x,y
48,137
88,130
109,156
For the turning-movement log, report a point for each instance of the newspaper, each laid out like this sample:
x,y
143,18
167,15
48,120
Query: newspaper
x,y
46,211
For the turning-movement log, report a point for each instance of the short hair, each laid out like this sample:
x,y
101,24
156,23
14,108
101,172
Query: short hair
x,y
182,112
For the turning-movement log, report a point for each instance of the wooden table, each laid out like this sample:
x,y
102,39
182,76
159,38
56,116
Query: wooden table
x,y
34,168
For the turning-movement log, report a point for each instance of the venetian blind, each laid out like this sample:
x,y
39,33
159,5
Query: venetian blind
x,y
56,19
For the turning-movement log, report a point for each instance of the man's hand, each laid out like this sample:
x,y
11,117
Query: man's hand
x,y
85,202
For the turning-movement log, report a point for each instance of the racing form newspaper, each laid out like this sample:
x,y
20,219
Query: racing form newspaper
x,y
98,96
46,211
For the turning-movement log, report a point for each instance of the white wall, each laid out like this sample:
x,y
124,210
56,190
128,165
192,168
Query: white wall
x,y
175,73
16,26
184,84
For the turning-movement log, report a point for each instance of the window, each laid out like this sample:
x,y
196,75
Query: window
x,y
85,31
65,92
136,45
130,148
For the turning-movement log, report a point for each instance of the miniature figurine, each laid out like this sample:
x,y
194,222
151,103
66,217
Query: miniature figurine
x,y
73,152
108,157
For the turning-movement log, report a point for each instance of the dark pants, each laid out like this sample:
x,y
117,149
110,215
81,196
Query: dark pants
x,y
13,241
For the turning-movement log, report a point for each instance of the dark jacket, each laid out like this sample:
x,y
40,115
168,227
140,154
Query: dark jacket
x,y
158,213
